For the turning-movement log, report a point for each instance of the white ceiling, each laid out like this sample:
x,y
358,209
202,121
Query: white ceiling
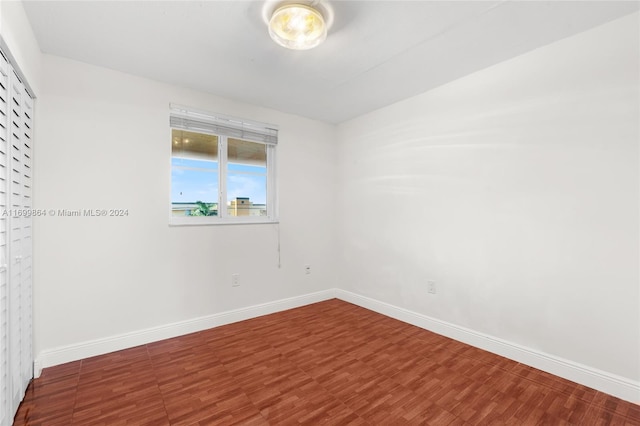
x,y
376,53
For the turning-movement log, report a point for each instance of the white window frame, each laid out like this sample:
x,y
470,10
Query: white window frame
x,y
225,127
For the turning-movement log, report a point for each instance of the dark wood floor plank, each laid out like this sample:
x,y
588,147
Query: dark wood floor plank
x,y
330,363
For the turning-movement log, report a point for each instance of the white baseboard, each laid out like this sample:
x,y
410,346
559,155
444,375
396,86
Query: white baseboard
x,y
603,381
61,355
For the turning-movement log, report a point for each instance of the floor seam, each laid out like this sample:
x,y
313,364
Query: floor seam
x,y
155,374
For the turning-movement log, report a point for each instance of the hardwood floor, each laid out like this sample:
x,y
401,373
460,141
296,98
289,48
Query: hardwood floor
x,y
328,363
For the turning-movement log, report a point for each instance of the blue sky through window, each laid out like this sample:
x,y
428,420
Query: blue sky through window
x,y
197,180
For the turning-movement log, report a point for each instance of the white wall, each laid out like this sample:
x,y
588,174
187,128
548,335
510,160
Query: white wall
x,y
104,142
516,190
18,37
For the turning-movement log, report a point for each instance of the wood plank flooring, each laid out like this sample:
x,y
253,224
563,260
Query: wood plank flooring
x,y
328,363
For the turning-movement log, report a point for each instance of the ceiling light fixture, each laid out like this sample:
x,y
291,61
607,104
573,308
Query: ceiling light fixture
x,y
297,27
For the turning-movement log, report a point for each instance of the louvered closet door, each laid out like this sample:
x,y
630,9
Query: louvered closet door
x,y
4,302
26,243
20,356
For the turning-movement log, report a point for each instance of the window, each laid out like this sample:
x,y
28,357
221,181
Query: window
x,y
222,169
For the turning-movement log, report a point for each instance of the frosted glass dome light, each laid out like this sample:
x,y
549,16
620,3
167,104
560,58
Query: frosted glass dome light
x,y
297,27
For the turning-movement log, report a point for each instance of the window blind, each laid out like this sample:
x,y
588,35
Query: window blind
x,y
185,118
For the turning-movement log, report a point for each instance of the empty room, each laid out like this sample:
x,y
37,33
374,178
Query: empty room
x,y
347,212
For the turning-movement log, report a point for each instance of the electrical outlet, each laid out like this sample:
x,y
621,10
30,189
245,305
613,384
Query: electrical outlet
x,y
431,287
235,280
307,269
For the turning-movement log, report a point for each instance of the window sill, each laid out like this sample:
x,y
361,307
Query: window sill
x,y
207,221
